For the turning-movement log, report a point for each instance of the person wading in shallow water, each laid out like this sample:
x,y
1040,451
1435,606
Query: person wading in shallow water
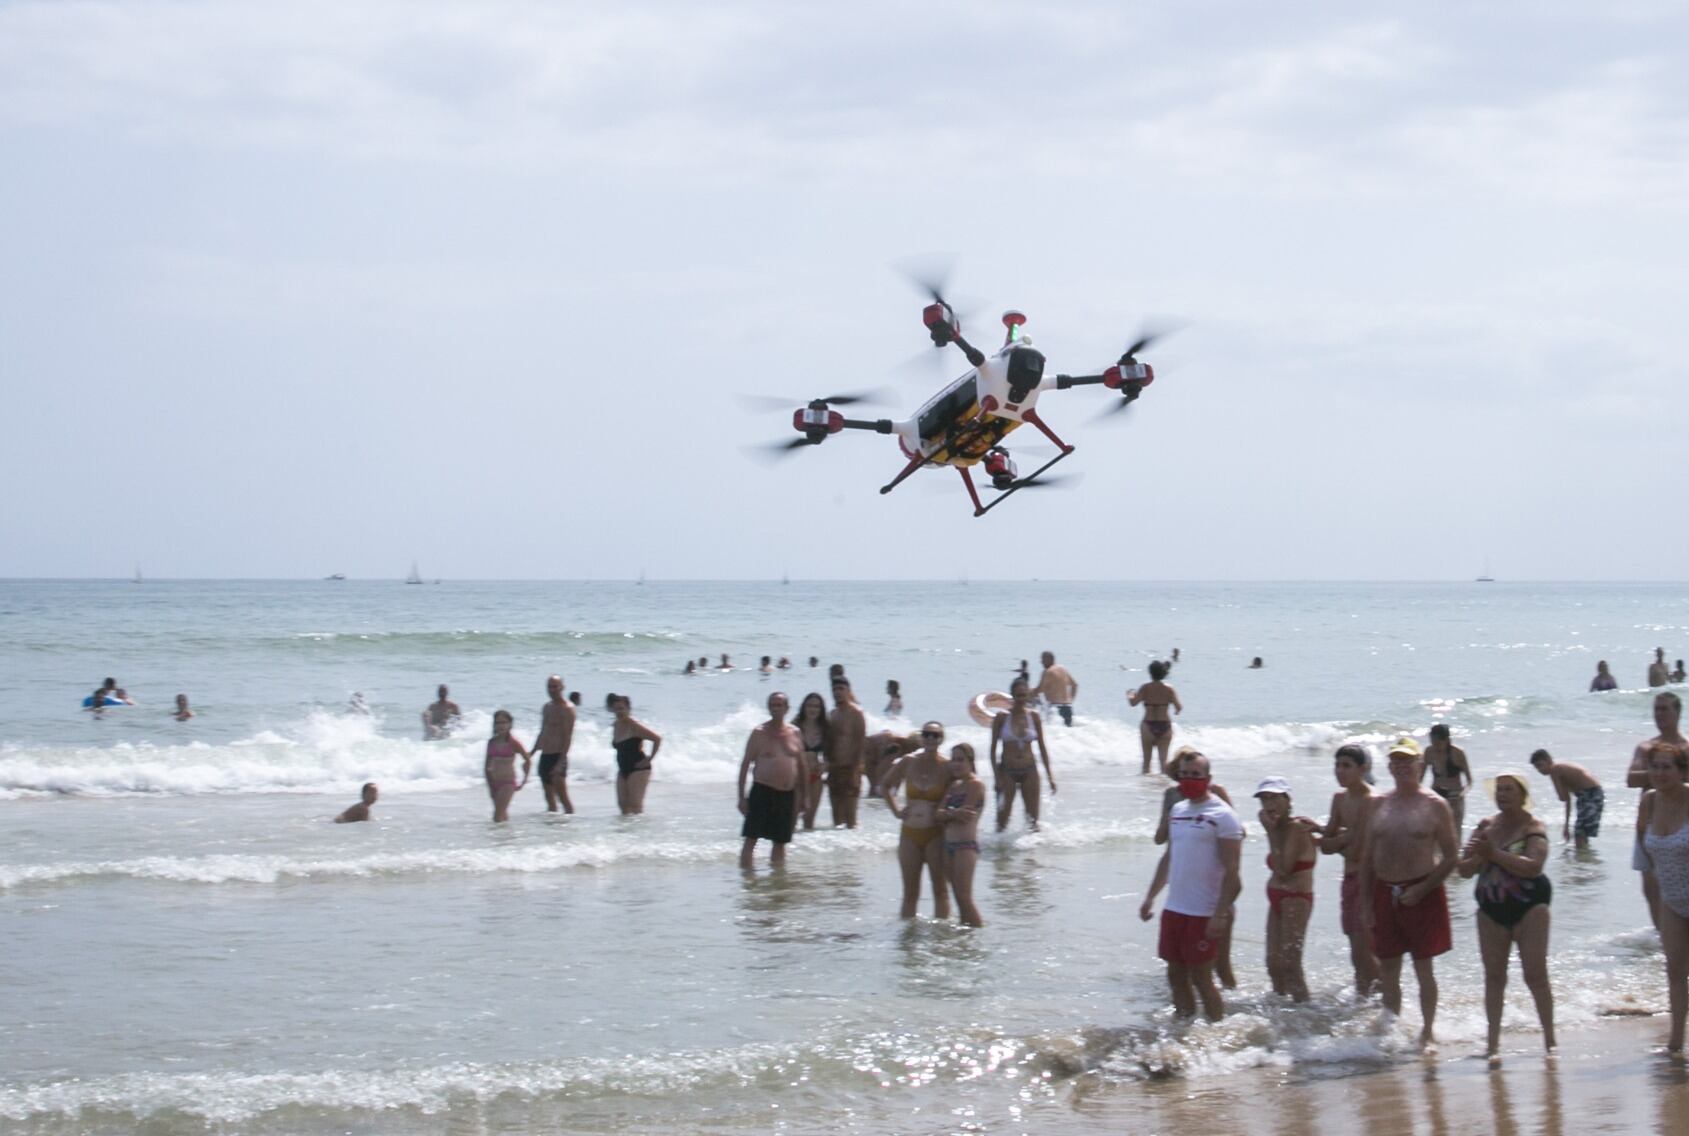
x,y
1156,730
774,761
1668,713
557,732
1343,835
1408,850
1013,735
1200,871
847,730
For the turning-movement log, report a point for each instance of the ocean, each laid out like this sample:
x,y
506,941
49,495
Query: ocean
x,y
193,947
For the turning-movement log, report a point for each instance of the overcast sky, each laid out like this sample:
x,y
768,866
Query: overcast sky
x,y
291,289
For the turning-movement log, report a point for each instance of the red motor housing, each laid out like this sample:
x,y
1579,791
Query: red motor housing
x,y
817,420
941,322
1000,466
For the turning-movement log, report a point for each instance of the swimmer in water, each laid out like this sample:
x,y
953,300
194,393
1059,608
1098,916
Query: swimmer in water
x,y
441,717
182,712
360,811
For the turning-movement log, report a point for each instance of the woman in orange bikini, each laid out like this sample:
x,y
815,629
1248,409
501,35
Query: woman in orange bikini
x,y
924,778
1013,733
1156,730
1290,889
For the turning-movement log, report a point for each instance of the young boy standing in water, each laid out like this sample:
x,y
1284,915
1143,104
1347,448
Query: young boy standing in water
x,y
1342,834
1574,783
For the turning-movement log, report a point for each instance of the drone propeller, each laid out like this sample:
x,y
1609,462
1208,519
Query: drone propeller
x,y
774,451
930,274
1147,336
1113,410
849,398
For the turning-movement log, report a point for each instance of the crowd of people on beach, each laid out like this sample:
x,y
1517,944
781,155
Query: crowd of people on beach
x,y
1398,845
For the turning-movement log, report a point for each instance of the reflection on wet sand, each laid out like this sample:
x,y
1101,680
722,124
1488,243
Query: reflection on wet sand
x,y
1601,1080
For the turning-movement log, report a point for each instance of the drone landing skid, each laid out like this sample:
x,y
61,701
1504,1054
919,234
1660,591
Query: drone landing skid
x,y
1021,483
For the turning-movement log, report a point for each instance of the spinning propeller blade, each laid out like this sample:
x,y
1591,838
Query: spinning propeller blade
x,y
774,451
849,398
1113,410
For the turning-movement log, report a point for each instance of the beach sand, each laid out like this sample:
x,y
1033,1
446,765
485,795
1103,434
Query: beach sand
x,y
1609,1078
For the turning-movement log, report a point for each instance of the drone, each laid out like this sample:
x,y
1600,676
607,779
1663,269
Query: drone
x,y
964,425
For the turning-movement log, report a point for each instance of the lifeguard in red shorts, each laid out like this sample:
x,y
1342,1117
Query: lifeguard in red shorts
x,y
1200,871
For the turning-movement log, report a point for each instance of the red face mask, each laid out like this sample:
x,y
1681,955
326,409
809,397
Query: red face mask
x,y
1193,788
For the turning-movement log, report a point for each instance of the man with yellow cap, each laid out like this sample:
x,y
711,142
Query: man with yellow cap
x,y
1409,850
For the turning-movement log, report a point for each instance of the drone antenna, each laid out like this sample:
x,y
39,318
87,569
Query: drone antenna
x,y
1012,320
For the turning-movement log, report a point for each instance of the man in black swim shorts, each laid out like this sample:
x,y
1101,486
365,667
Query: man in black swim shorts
x,y
557,730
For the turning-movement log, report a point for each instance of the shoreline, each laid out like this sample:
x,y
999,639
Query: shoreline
x,y
1610,1077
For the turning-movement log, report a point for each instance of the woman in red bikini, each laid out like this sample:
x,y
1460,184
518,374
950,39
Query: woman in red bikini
x,y
1290,889
1156,730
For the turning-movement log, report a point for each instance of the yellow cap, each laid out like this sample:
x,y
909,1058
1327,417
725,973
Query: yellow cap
x,y
1405,745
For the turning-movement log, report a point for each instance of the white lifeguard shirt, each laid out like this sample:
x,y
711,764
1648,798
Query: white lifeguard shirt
x,y
1194,872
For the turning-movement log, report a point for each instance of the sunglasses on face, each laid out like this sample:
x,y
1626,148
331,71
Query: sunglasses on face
x,y
932,734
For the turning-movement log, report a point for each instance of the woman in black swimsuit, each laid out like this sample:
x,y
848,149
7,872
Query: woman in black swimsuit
x,y
1450,775
811,722
1506,853
633,764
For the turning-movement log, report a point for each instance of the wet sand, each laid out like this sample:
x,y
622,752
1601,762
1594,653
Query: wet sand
x,y
1611,1078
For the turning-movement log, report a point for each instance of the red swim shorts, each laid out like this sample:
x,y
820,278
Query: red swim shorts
x,y
1185,941
1421,930
1353,924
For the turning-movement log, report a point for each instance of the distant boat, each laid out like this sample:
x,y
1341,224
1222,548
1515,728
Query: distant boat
x,y
1486,578
336,576
641,580
415,577
137,574
785,579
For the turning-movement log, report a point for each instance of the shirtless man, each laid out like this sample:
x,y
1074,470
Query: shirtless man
x,y
1156,730
847,731
360,811
183,713
774,759
1342,834
1407,851
1574,782
1668,712
1658,673
441,718
1450,775
557,731
1057,687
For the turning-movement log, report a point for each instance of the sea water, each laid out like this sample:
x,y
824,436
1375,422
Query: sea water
x,y
192,946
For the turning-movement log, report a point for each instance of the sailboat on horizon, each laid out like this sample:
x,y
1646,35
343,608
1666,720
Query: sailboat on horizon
x,y
137,579
1486,578
415,577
